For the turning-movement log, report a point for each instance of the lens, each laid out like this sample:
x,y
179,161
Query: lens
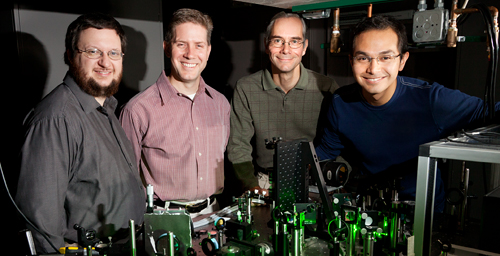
x,y
115,55
93,53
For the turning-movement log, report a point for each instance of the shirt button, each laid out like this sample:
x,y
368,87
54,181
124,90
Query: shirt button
x,y
201,178
199,154
197,128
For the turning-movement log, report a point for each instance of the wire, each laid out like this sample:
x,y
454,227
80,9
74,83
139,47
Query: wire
x,y
337,228
22,214
329,228
493,63
489,91
486,138
464,5
480,138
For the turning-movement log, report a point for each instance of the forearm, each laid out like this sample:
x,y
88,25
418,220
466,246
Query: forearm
x,y
245,173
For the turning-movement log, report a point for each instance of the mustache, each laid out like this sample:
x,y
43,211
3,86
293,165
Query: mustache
x,y
91,86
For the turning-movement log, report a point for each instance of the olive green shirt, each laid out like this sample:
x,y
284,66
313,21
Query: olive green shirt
x,y
261,110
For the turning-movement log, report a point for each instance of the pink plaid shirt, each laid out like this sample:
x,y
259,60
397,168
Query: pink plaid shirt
x,y
179,143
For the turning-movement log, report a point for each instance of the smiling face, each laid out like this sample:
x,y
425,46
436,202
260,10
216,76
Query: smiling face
x,y
285,59
188,53
98,77
378,81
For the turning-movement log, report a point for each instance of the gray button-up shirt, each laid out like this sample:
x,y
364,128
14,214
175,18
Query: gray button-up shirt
x,y
77,167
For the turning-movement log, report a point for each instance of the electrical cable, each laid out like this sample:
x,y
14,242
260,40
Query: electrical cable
x,y
484,138
376,201
492,74
464,5
22,214
337,228
493,62
481,138
330,233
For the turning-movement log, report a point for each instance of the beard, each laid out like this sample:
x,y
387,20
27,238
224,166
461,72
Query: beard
x,y
91,86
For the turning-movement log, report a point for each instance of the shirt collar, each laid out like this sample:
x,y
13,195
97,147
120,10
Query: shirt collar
x,y
87,101
167,90
268,82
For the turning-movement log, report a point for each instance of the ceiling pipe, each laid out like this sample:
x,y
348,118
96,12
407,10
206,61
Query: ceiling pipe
x,y
335,40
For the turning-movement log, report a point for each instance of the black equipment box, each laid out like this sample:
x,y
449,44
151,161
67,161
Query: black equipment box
x,y
489,222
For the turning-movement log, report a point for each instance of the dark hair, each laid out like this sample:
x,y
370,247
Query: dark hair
x,y
284,15
382,22
90,20
185,15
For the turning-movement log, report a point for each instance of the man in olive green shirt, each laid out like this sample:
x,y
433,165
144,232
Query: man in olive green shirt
x,y
282,101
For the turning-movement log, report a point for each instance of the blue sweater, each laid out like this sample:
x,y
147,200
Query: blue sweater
x,y
387,137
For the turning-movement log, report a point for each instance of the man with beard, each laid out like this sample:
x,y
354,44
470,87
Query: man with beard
x,y
77,165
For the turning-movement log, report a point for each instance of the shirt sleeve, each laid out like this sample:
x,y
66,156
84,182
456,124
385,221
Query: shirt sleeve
x,y
227,122
131,126
334,86
47,157
454,110
330,145
239,146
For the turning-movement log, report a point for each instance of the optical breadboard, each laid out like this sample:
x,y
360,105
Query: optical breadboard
x,y
290,180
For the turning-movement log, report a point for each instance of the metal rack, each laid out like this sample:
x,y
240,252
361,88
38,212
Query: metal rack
x,y
457,149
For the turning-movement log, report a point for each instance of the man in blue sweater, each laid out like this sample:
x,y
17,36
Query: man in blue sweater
x,y
379,122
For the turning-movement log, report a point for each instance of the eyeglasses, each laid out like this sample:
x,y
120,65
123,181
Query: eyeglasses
x,y
93,53
279,42
382,59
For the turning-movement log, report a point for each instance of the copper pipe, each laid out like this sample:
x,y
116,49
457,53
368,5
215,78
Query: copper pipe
x,y
451,37
370,10
455,12
466,10
454,15
494,11
494,14
335,40
336,16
